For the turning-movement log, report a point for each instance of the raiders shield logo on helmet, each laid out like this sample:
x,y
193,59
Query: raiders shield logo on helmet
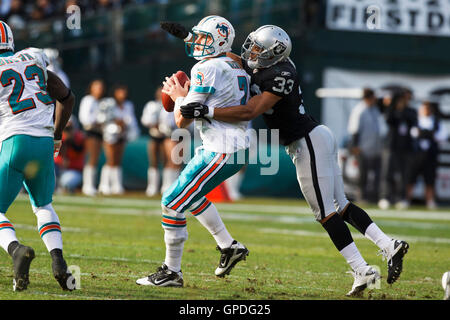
x,y
279,48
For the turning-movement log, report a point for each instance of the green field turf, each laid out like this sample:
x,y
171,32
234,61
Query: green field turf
x,y
114,241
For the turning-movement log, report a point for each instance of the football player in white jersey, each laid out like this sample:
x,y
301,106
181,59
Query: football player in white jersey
x,y
28,141
311,146
219,81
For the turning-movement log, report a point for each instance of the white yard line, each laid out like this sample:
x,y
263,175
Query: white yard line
x,y
116,259
277,209
303,233
276,218
241,216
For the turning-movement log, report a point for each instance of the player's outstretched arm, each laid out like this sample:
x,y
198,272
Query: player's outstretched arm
x,y
256,105
65,100
176,29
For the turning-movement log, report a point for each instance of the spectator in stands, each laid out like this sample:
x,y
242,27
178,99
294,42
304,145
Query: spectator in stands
x,y
367,128
43,9
400,119
93,132
160,124
119,125
428,133
70,161
15,15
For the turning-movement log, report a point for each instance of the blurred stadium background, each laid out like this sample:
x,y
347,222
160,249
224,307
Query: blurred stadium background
x,y
117,239
120,41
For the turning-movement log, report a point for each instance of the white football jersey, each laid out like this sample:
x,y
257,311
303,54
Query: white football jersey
x,y
226,84
25,106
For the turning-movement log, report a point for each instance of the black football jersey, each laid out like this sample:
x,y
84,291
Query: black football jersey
x,y
288,114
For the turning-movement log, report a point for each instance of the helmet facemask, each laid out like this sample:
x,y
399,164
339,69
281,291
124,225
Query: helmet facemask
x,y
201,44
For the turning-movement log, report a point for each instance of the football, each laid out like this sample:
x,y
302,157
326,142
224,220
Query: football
x,y
167,101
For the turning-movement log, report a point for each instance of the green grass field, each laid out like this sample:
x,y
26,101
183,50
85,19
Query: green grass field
x,y
114,241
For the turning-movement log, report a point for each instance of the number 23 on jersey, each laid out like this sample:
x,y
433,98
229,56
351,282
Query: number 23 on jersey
x,y
12,77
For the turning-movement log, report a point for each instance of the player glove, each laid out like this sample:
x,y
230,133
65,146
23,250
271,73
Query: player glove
x,y
196,110
175,29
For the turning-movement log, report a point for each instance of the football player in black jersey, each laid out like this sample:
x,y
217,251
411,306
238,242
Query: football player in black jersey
x,y
311,146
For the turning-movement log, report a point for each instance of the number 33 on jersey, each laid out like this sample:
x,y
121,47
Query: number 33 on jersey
x,y
25,105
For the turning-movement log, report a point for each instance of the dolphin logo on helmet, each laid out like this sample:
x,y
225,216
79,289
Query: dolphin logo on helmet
x,y
212,36
223,30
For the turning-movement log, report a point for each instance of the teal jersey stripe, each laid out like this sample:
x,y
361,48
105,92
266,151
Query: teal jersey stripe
x,y
8,228
203,89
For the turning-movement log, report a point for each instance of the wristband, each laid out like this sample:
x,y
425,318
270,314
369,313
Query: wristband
x,y
210,113
178,103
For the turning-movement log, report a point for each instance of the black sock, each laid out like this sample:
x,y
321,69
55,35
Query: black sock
x,y
12,246
357,217
56,254
338,232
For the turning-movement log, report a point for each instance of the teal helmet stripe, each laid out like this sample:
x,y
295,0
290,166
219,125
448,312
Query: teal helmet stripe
x,y
206,19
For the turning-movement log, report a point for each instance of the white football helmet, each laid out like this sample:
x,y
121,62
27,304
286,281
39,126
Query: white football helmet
x,y
6,37
266,46
212,36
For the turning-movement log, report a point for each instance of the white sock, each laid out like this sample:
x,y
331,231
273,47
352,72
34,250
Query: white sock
x,y
353,257
174,253
207,214
49,227
377,236
175,234
7,232
116,179
234,183
89,177
105,184
152,181
169,176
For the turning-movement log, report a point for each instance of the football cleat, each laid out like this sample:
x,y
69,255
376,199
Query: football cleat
x,y
364,277
394,254
229,257
163,277
22,257
65,279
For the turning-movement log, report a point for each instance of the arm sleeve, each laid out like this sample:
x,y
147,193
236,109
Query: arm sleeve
x,y
204,81
204,78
